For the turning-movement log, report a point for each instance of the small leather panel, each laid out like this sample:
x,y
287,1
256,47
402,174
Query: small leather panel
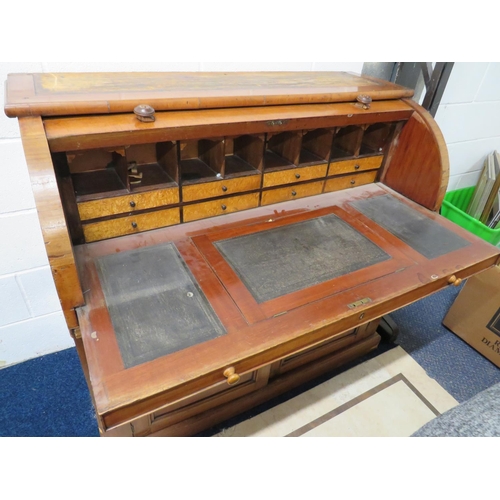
x,y
155,304
413,228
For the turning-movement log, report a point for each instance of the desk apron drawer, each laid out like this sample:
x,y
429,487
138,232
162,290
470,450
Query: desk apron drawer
x,y
207,399
291,192
224,187
129,225
324,348
129,203
218,207
296,174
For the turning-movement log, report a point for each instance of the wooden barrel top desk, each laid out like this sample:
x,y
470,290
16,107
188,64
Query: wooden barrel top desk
x,y
219,238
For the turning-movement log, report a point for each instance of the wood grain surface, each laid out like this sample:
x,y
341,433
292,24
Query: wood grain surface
x,y
91,132
271,196
356,165
223,187
293,175
120,226
420,173
130,203
349,181
51,215
89,93
220,207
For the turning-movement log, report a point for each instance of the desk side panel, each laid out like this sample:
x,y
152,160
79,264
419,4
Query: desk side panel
x,y
418,165
51,216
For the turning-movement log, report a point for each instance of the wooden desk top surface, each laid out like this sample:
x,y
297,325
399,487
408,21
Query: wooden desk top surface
x,y
53,94
260,332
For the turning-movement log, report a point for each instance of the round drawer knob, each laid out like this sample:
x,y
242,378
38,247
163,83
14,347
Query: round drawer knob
x,y
231,375
144,113
353,182
297,176
224,188
134,225
223,207
356,167
453,280
132,204
364,100
294,193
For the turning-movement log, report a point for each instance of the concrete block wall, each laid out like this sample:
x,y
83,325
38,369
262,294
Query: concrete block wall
x,y
31,320
469,117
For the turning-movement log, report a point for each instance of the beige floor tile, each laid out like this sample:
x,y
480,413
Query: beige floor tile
x,y
394,412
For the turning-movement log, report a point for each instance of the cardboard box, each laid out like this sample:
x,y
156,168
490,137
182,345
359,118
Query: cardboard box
x,y
475,314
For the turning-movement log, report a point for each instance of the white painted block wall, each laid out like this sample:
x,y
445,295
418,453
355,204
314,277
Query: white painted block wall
x,y
469,117
31,320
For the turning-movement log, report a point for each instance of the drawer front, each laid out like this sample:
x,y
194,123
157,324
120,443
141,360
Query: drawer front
x,y
220,188
208,398
325,348
358,165
292,175
129,225
291,193
129,203
220,207
347,181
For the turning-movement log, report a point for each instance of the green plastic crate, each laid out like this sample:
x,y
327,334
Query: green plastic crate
x,y
454,205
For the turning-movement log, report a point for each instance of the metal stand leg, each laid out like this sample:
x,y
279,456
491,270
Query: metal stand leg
x,y
388,329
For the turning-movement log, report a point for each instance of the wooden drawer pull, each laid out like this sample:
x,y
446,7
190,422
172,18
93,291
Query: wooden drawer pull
x,y
132,204
224,188
231,375
453,280
294,193
134,225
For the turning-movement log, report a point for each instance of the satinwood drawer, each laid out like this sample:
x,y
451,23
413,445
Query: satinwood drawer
x,y
356,165
129,203
348,181
223,187
291,193
218,207
132,224
296,174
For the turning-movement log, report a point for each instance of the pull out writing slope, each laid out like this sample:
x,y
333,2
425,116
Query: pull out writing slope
x,y
245,241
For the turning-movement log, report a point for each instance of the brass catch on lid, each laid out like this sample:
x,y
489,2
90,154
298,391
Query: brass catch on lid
x,y
145,113
364,101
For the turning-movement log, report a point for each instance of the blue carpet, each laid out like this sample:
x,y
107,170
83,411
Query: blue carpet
x,y
48,396
456,366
